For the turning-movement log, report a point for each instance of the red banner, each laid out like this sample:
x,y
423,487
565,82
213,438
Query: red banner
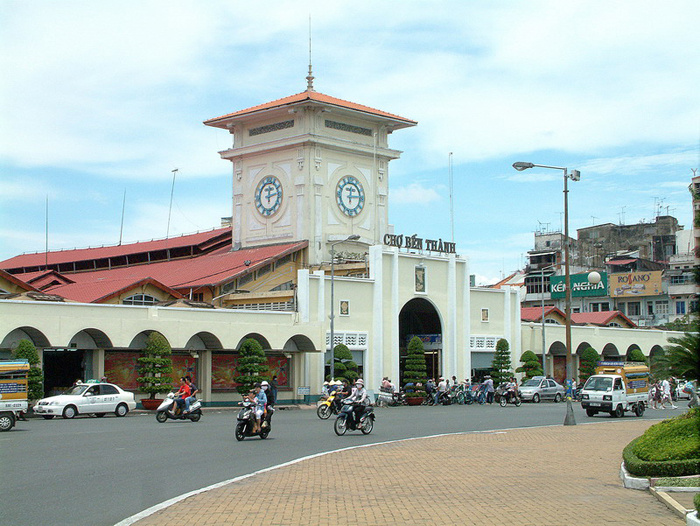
x,y
223,370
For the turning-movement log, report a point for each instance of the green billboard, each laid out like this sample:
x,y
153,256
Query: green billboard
x,y
580,286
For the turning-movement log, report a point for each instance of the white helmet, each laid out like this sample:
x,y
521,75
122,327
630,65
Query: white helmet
x,y
360,382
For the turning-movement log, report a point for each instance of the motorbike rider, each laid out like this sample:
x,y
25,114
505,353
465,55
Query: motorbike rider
x,y
193,391
181,395
265,386
511,389
442,389
360,397
260,403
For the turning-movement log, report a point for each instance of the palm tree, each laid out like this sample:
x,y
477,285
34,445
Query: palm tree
x,y
682,359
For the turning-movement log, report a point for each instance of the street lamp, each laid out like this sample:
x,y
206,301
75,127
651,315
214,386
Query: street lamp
x,y
353,237
575,175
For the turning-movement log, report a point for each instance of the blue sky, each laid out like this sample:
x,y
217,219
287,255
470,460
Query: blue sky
x,y
102,98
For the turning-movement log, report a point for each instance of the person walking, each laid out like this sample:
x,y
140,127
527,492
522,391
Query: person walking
x,y
488,387
666,396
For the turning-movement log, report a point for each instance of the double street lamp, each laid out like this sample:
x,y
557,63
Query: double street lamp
x,y
353,237
575,175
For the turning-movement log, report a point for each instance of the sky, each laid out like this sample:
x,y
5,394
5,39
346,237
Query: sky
x,y
101,101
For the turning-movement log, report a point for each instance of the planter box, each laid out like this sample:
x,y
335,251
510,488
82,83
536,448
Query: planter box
x,y
151,404
416,400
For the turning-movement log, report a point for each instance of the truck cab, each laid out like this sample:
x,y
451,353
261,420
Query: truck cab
x,y
13,391
616,388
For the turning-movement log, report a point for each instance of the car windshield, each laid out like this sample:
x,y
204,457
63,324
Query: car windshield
x,y
598,383
76,390
531,383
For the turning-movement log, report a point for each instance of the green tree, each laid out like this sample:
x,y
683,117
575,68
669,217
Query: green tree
x,y
251,366
415,371
587,363
682,359
26,350
500,367
636,355
531,365
155,366
344,368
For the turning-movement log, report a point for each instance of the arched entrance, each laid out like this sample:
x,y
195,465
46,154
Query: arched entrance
x,y
420,318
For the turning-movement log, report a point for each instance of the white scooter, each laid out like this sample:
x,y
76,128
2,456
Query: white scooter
x,y
168,407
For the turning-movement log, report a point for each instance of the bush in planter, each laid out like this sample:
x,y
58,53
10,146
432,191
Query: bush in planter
x,y
587,363
670,448
344,368
500,367
252,364
531,365
415,371
637,355
26,350
155,366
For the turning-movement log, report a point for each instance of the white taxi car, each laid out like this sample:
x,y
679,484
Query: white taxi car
x,y
96,398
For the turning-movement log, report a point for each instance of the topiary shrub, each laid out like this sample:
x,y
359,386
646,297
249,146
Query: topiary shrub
x,y
251,366
155,366
500,367
415,371
696,501
636,355
670,448
531,365
344,368
26,350
587,363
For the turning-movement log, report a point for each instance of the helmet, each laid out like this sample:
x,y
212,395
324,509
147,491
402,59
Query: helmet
x,y
360,382
264,383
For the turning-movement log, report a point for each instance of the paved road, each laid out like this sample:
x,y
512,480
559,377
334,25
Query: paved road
x,y
100,471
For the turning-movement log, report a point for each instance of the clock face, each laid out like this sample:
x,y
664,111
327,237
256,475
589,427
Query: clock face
x,y
268,196
350,196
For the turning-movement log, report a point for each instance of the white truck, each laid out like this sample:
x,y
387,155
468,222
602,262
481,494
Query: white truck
x,y
13,391
615,388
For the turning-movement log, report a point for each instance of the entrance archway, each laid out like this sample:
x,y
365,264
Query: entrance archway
x,y
420,318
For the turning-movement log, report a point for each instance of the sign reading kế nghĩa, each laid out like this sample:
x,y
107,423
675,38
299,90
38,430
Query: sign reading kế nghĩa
x,y
580,286
418,243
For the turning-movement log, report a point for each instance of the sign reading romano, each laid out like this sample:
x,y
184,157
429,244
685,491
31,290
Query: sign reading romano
x,y
636,284
580,286
431,245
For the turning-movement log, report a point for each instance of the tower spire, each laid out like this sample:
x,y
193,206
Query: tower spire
x,y
310,76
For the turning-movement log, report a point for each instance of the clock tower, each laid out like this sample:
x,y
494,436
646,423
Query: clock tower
x,y
310,167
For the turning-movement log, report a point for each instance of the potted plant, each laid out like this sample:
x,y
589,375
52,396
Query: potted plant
x,y
344,368
500,367
26,350
155,367
415,374
251,366
531,365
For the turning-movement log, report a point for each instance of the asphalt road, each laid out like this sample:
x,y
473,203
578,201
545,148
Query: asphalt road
x,y
100,471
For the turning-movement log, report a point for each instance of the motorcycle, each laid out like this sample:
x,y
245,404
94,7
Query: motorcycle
x,y
168,410
246,421
346,419
507,396
329,406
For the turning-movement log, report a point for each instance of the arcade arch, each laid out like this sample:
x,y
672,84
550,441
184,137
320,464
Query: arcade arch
x,y
257,337
419,317
610,352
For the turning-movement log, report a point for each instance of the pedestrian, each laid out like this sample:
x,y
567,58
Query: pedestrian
x,y
651,396
273,388
692,392
488,386
441,390
666,396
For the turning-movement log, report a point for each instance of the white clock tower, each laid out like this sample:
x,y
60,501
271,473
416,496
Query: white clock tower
x,y
310,167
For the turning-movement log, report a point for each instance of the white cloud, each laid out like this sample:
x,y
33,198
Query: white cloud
x,y
417,194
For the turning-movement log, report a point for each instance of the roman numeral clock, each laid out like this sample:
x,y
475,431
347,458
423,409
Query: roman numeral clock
x,y
350,196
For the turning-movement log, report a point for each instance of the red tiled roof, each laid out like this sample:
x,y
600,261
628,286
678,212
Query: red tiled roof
x,y
104,289
621,261
601,318
20,283
535,313
308,96
83,254
208,269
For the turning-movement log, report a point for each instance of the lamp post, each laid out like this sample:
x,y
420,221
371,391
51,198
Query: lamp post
x,y
353,237
575,175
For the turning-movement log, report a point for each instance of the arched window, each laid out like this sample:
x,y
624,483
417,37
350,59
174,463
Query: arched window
x,y
140,299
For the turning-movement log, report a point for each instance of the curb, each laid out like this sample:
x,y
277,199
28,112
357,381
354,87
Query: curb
x,y
631,482
692,519
670,503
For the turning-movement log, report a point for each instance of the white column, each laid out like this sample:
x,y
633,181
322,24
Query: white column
x,y
507,322
517,326
451,358
303,295
466,323
395,315
376,358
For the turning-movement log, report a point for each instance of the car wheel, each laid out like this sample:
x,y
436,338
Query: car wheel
x,y
161,416
536,398
70,412
557,398
7,422
47,417
99,415
619,412
591,412
639,409
121,410
240,431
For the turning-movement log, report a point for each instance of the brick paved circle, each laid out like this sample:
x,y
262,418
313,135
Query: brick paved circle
x,y
540,476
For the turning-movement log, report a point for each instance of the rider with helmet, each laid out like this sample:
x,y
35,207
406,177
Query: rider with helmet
x,y
360,397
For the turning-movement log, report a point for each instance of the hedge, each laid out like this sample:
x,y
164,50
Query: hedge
x,y
657,468
696,501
